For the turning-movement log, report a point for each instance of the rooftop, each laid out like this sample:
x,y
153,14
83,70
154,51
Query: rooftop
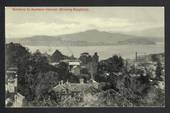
x,y
75,86
71,87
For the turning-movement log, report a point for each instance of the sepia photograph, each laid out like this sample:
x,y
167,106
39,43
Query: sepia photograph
x,y
84,57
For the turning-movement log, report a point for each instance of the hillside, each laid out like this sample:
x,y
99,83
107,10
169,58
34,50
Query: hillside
x,y
138,41
86,38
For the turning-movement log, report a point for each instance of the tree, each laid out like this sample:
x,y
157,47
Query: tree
x,y
159,69
14,52
155,57
65,74
46,81
113,64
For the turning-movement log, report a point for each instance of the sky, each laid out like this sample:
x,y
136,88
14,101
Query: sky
x,y
128,20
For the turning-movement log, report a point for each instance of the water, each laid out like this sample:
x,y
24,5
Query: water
x,y
126,51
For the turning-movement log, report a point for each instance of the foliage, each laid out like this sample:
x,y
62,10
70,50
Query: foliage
x,y
35,75
14,53
113,64
107,67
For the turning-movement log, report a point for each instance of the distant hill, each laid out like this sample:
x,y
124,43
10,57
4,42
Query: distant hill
x,y
156,33
87,38
138,41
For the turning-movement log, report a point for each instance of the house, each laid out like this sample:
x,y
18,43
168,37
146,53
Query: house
x,y
11,80
14,98
73,66
74,90
18,100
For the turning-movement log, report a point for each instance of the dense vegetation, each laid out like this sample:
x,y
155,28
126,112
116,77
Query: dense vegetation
x,y
35,75
116,87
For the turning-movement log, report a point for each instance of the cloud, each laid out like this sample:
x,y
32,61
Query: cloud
x,y
25,25
69,26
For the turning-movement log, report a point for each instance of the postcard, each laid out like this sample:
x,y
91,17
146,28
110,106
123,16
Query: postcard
x,y
84,57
